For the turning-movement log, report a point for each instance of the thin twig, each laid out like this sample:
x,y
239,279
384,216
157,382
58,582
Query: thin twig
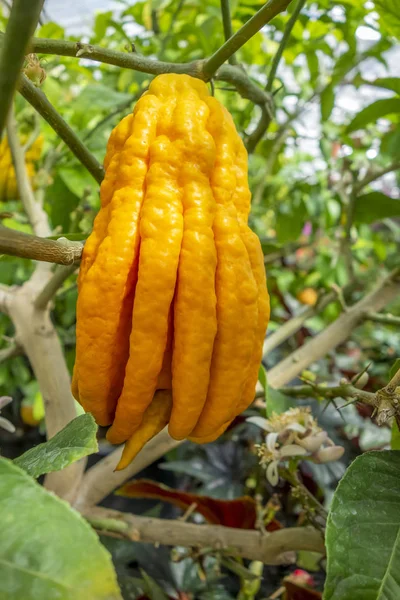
x,y
250,544
318,391
385,319
60,275
24,17
38,100
229,73
112,114
373,175
253,25
24,245
36,215
309,499
261,128
285,38
227,24
393,383
349,201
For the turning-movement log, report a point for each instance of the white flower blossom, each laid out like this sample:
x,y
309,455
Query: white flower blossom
x,y
293,434
4,423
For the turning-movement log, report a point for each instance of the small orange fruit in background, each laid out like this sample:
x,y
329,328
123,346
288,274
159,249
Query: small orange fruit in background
x,y
307,296
32,410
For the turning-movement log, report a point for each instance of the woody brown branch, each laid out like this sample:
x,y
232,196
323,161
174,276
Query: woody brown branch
x,y
269,548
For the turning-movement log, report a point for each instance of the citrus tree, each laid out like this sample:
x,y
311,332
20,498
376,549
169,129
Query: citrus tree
x,y
313,93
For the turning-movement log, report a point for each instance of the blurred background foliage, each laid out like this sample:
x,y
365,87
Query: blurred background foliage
x,y
336,122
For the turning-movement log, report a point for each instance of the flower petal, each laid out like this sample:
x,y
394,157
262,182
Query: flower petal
x,y
312,443
296,427
5,424
271,441
330,454
272,473
292,450
4,400
260,422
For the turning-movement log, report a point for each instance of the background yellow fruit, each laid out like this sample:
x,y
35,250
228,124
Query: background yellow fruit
x,y
308,296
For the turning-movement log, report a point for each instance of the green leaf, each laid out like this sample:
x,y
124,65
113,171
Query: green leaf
x,y
376,110
76,440
390,144
47,550
394,368
237,568
363,531
327,102
277,402
395,439
77,180
151,587
262,377
100,97
389,83
375,206
62,202
389,12
51,30
289,225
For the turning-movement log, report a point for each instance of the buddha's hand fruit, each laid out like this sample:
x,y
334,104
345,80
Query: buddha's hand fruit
x,y
8,180
172,290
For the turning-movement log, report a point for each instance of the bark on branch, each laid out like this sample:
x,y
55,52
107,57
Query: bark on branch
x,y
24,245
270,548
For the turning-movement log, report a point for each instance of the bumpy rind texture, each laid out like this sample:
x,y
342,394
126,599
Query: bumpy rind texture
x,y
173,305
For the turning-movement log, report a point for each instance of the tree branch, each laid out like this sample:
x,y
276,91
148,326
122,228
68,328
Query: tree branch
x,y
261,128
269,548
286,370
270,9
293,325
38,100
234,75
36,215
372,176
22,22
349,200
227,24
385,319
285,38
102,479
393,383
237,77
60,275
38,337
24,245
345,390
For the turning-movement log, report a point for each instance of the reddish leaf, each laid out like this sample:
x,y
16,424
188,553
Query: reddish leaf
x,y
239,513
299,592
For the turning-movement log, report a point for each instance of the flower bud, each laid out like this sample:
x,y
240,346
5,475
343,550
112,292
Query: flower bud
x,y
330,454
